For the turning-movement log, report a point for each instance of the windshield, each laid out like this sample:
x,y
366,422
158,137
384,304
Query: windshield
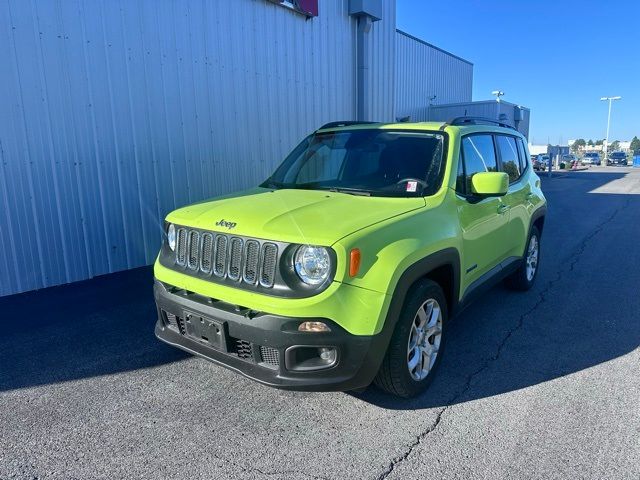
x,y
591,154
365,162
618,155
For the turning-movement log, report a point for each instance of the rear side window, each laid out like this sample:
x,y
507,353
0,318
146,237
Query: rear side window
x,y
479,155
523,155
509,156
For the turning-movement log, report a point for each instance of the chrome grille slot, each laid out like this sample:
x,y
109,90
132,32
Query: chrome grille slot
x,y
194,250
220,262
235,258
205,259
230,258
251,257
269,262
181,248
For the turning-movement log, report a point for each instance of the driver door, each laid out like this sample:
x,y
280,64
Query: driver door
x,y
484,222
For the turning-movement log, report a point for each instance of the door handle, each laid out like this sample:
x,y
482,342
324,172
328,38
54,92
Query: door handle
x,y
503,209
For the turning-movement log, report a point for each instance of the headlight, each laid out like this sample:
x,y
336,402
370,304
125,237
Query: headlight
x,y
171,236
312,264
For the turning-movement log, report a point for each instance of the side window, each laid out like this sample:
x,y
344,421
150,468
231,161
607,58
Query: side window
x,y
479,156
509,156
523,155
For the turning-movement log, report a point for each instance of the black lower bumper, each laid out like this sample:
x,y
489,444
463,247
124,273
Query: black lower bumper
x,y
264,347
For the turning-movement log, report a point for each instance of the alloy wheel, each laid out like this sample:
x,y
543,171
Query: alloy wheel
x,y
532,257
424,339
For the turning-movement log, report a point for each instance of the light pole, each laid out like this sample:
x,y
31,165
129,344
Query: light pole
x,y
606,141
497,94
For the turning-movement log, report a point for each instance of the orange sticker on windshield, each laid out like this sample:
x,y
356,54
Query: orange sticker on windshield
x,y
412,186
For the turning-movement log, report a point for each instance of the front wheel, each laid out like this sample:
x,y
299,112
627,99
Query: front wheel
x,y
523,278
416,345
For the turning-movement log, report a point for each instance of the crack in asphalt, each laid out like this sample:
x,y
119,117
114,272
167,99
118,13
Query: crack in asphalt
x,y
573,260
285,473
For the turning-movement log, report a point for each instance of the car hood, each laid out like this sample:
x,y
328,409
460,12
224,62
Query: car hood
x,y
296,216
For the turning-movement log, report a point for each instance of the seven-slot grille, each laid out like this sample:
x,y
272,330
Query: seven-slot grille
x,y
227,256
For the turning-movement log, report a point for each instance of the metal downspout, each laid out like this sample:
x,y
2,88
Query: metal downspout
x,y
362,73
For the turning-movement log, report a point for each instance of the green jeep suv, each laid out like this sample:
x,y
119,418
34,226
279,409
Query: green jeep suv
x,y
345,266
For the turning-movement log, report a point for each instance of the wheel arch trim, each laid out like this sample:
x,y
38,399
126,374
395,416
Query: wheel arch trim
x,y
448,257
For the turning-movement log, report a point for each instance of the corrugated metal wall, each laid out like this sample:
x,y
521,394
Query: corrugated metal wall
x,y
116,112
382,65
422,71
506,112
486,109
502,111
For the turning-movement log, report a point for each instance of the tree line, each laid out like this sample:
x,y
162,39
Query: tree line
x,y
581,144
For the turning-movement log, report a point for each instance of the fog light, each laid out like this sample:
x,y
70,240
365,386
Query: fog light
x,y
313,327
327,354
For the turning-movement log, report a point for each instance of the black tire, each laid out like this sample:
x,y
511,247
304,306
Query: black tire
x,y
394,376
519,280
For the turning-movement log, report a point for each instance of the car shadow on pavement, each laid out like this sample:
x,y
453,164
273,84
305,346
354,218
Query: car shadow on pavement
x,y
95,327
582,312
492,352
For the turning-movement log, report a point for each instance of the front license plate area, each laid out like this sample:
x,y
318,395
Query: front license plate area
x,y
204,330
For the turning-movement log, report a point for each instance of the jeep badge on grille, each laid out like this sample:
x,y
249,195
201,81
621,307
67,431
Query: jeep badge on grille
x,y
225,224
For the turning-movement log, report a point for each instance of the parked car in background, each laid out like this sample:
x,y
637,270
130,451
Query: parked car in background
x,y
541,162
534,162
569,159
591,158
617,158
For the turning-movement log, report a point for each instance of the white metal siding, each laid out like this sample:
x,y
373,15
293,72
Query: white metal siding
x,y
116,112
382,65
423,71
488,109
503,111
506,112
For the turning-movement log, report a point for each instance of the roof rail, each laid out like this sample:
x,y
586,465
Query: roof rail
x,y
345,123
478,121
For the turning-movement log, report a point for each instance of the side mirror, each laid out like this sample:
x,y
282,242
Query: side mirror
x,y
490,184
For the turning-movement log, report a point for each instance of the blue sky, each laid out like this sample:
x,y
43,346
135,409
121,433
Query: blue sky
x,y
556,57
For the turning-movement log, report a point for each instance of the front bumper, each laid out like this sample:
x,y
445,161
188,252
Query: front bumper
x,y
265,347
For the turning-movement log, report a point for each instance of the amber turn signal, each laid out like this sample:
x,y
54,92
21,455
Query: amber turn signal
x,y
354,262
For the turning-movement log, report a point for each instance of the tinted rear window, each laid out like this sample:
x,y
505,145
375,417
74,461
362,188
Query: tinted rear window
x,y
509,156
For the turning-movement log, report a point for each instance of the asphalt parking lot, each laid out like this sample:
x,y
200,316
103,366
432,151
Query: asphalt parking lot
x,y
537,385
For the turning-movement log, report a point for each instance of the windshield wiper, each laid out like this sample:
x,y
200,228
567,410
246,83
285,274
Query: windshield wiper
x,y
268,183
314,186
350,191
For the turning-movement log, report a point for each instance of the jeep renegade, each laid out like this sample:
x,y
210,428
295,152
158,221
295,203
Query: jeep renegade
x,y
344,267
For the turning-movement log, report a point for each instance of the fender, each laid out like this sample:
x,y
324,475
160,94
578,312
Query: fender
x,y
420,269
538,213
